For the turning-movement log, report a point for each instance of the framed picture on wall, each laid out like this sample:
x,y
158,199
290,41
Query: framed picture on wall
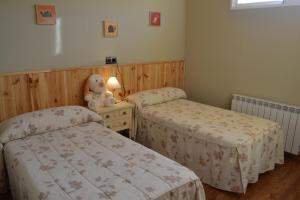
x,y
155,18
110,29
45,14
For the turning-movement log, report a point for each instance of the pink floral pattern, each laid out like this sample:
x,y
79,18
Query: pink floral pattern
x,y
89,161
227,150
42,121
156,96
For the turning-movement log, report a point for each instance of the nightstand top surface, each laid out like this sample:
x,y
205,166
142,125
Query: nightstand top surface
x,y
117,106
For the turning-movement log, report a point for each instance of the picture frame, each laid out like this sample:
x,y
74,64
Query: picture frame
x,y
155,18
45,14
110,29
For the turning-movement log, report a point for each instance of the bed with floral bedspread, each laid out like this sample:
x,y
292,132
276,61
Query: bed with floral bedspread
x,y
66,154
227,150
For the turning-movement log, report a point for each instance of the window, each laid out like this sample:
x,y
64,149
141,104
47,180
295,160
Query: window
x,y
243,4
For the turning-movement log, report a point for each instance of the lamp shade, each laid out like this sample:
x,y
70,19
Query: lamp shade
x,y
113,83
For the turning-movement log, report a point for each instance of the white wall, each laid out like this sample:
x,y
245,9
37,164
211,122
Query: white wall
x,y
79,40
254,52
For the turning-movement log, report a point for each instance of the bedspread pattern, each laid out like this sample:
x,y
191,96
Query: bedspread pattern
x,y
91,162
227,150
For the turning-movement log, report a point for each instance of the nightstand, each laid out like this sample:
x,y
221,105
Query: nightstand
x,y
119,117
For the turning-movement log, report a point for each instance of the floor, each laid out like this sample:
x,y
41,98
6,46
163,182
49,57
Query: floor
x,y
283,183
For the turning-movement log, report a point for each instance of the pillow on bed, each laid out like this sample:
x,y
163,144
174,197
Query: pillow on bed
x,y
42,121
156,96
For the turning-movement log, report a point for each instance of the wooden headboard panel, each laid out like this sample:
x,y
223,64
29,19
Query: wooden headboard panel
x,y
29,91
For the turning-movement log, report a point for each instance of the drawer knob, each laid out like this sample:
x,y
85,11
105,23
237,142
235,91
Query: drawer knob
x,y
107,116
124,123
124,113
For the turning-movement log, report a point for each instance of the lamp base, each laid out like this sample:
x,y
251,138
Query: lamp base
x,y
117,101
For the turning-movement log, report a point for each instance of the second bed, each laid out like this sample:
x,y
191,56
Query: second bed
x,y
226,149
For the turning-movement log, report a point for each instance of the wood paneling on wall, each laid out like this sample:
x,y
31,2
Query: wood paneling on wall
x,y
29,91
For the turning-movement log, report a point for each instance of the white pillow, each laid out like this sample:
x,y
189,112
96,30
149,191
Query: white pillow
x,y
156,96
46,120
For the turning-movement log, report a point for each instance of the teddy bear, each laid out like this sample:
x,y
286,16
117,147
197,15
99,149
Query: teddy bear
x,y
95,93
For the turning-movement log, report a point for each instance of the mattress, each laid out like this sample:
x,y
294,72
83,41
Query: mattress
x,y
227,150
89,161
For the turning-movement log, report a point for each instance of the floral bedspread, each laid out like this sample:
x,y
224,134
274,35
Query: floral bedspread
x,y
88,161
227,150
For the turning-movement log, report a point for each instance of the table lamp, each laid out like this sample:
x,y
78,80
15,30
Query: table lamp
x,y
113,84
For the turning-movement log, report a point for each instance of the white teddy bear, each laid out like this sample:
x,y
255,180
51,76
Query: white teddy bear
x,y
96,94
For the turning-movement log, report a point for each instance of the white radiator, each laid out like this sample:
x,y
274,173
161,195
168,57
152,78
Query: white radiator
x,y
287,116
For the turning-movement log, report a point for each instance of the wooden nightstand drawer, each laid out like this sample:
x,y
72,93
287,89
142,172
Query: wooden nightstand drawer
x,y
119,117
120,124
124,123
113,115
125,112
110,115
111,124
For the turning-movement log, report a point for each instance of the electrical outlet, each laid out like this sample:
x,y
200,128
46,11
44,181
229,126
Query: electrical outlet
x,y
111,60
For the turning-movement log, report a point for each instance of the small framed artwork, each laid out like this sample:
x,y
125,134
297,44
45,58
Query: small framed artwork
x,y
155,18
110,29
45,14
